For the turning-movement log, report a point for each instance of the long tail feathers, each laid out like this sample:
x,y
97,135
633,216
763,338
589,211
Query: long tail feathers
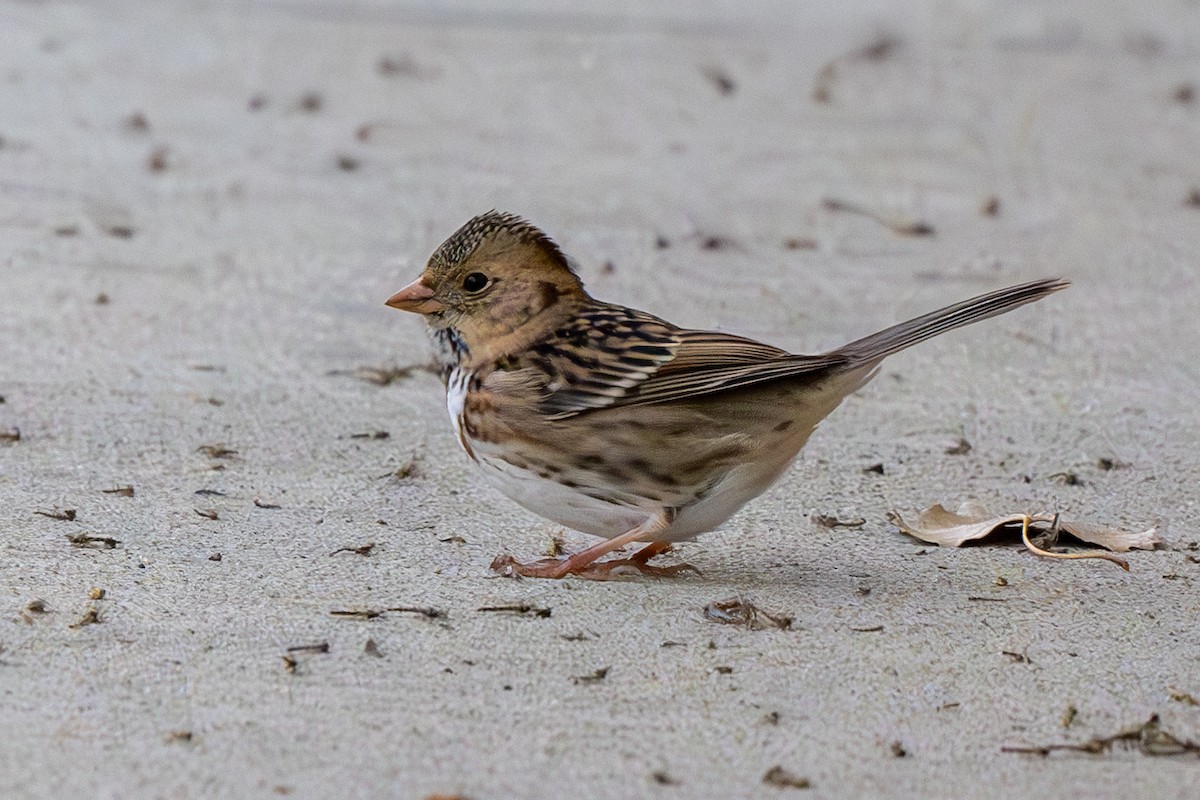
x,y
878,346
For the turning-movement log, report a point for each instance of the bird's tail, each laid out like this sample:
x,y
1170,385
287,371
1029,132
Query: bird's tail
x,y
877,346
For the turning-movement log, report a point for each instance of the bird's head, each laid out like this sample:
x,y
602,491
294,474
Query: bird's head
x,y
497,276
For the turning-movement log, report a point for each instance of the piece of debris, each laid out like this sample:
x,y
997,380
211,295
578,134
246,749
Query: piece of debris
x,y
87,540
959,448
1016,658
216,451
741,612
871,629
1184,93
1184,697
120,231
207,513
311,102
1067,479
904,227
137,122
215,557
348,163
830,521
178,736
319,647
878,50
898,749
290,664
779,777
158,160
370,435
260,503
361,550
65,515
37,606
372,649
990,207
720,80
10,436
125,490
209,493
424,611
96,593
1068,717
594,677
876,469
102,299
1193,199
360,613
1149,739
90,617
663,778
383,376
518,608
1109,464
972,522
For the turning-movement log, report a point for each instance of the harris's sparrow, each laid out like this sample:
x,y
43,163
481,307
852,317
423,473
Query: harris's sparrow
x,y
614,422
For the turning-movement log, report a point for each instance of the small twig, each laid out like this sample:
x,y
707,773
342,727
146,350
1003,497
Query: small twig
x,y
1025,520
518,608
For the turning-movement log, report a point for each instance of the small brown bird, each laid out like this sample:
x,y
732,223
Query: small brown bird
x,y
612,421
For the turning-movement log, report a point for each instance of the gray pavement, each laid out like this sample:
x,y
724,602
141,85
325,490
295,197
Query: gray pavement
x,y
204,205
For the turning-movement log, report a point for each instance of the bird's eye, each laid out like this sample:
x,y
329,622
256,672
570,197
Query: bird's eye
x,y
475,282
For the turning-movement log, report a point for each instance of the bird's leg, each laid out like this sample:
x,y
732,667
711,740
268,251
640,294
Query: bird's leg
x,y
585,564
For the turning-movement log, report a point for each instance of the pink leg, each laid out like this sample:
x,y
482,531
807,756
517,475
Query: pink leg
x,y
584,563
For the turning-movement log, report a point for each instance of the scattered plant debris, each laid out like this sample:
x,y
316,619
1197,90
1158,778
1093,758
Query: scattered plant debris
x,y
125,490
216,451
65,515
370,435
207,513
959,448
910,227
319,647
594,677
361,550
876,469
1148,738
372,649
260,503
10,436
721,80
972,522
831,521
383,376
518,608
90,617
87,540
741,612
781,778
990,207
878,50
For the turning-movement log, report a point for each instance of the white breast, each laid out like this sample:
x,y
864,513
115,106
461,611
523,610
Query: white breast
x,y
456,397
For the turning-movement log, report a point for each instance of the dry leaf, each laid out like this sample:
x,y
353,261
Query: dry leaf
x,y
972,521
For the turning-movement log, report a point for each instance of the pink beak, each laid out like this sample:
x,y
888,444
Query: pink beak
x,y
416,297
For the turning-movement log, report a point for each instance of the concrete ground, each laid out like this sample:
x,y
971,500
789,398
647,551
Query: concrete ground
x,y
203,206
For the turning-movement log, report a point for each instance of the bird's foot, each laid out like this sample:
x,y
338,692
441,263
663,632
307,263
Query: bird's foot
x,y
585,565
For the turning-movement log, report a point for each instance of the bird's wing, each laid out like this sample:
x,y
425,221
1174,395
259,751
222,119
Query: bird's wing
x,y
611,356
